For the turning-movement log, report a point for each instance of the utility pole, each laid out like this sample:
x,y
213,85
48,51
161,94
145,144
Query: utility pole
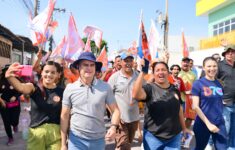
x,y
37,5
166,27
51,38
163,20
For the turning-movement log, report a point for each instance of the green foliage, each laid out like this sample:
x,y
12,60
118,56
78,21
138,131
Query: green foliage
x,y
95,50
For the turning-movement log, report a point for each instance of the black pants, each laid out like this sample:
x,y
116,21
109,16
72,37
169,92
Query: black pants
x,y
10,117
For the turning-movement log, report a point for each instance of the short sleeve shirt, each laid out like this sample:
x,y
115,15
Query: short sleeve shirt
x,y
45,108
188,79
88,105
122,89
210,94
162,111
226,74
178,82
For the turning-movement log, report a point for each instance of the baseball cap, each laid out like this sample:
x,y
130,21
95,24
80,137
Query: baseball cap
x,y
125,55
185,59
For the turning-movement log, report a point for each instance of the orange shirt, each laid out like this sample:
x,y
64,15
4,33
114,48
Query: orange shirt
x,y
70,76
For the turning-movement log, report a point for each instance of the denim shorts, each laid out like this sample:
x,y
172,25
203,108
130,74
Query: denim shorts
x,y
78,143
153,143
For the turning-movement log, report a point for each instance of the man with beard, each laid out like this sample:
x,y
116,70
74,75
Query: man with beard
x,y
122,84
188,78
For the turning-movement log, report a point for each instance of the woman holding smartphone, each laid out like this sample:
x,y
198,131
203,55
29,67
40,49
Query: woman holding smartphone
x,y
46,97
207,102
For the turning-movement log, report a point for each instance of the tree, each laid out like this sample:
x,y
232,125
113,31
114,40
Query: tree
x,y
95,50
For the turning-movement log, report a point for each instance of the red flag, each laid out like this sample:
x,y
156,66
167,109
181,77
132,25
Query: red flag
x,y
60,49
74,42
143,49
185,47
103,57
95,33
51,28
88,44
39,24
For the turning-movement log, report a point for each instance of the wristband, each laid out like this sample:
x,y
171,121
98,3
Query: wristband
x,y
115,125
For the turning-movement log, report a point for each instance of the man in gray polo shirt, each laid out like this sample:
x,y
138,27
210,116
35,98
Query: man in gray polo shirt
x,y
83,109
122,83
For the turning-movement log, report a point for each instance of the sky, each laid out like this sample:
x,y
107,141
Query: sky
x,y
118,19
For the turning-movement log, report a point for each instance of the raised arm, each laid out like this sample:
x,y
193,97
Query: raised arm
x,y
24,88
36,64
138,91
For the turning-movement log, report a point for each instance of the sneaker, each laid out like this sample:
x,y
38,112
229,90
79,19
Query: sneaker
x,y
10,141
15,129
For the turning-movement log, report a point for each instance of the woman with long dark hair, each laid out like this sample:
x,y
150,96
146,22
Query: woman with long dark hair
x,y
46,103
9,106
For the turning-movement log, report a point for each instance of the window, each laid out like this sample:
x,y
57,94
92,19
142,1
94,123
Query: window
x,y
227,22
215,32
233,20
227,28
215,26
221,24
233,27
223,27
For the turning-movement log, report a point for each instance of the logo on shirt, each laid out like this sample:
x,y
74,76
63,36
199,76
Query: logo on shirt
x,y
212,90
56,98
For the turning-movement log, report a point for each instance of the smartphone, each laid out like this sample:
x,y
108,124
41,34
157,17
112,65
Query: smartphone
x,y
26,70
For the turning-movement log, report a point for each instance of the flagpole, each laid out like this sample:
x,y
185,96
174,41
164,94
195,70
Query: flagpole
x,y
166,27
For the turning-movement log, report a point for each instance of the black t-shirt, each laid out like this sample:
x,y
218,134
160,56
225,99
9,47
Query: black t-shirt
x,y
162,111
8,91
46,108
226,74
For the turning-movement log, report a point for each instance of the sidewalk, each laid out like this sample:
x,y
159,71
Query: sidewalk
x,y
20,144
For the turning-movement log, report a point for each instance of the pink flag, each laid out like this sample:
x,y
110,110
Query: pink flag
x,y
88,44
51,28
59,51
74,41
133,49
103,57
185,47
95,33
46,57
39,24
154,40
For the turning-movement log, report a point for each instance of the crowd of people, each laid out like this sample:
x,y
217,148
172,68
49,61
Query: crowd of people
x,y
69,102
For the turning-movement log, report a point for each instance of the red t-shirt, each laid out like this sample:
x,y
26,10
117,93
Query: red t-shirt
x,y
178,82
